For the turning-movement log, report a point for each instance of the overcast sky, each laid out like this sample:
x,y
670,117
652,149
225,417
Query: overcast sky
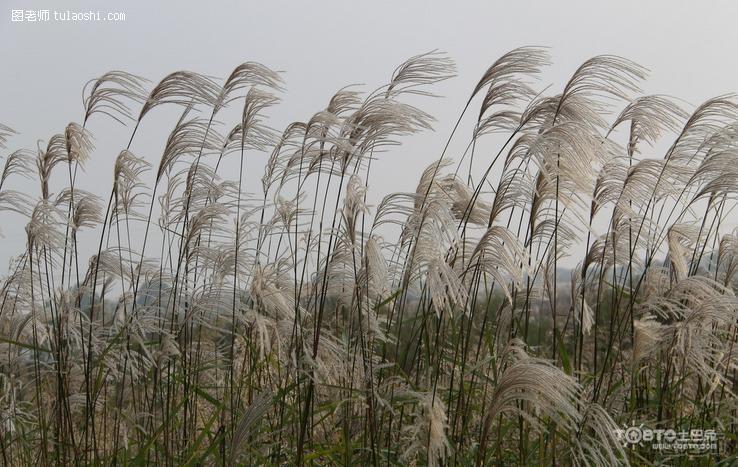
x,y
690,48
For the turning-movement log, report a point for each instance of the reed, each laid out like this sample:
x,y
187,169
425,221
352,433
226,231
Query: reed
x,y
293,323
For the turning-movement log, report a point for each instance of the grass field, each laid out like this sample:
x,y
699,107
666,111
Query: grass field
x,y
582,282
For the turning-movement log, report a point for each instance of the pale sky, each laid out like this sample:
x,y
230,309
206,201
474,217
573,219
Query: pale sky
x,y
690,48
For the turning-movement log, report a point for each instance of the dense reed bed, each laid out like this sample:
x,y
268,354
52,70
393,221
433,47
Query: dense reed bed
x,y
292,323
